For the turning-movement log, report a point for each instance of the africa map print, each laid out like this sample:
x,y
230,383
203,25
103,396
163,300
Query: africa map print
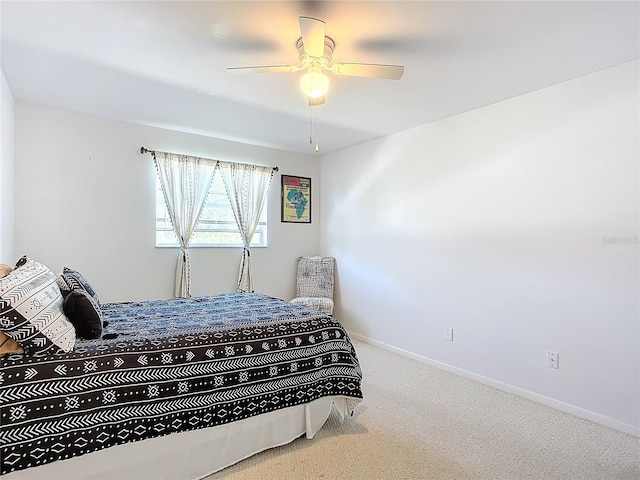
x,y
296,199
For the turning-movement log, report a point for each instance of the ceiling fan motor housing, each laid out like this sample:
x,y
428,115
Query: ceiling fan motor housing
x,y
308,61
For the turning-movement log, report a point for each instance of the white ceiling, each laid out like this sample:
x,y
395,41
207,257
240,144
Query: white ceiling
x,y
163,63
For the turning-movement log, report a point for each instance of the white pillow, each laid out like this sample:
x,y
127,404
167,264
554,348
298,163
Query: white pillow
x,y
31,309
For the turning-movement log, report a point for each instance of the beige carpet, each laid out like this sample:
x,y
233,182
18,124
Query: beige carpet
x,y
418,422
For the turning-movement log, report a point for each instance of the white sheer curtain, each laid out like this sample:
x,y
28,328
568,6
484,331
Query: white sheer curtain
x,y
247,187
185,183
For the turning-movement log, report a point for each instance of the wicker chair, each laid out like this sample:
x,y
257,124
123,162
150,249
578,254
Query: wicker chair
x,y
314,283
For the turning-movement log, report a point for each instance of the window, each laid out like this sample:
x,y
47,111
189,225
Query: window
x,y
217,226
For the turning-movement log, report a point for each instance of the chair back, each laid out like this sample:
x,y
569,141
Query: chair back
x,y
315,277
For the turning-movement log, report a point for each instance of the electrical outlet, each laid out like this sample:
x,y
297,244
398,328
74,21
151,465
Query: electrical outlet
x,y
448,335
552,359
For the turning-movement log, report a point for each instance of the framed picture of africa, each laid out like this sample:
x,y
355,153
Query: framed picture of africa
x,y
296,199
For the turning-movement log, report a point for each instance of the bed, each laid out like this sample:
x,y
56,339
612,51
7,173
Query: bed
x,y
174,389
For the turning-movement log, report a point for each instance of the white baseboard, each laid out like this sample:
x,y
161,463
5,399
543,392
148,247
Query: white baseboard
x,y
548,401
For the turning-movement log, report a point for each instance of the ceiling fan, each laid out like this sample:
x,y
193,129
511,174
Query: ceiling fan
x,y
315,50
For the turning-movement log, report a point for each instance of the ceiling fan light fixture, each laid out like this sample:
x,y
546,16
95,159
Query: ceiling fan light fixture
x,y
314,84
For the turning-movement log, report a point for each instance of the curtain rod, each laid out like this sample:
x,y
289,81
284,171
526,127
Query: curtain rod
x,y
144,150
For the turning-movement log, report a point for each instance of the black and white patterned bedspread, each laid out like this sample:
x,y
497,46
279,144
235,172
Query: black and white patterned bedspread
x,y
175,365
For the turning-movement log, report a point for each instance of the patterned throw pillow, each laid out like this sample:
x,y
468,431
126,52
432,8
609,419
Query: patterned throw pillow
x,y
84,313
31,309
70,280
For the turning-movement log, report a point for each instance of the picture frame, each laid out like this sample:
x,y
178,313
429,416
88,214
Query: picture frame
x,y
295,199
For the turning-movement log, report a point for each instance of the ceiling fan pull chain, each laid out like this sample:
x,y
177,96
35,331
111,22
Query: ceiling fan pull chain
x,y
311,125
317,127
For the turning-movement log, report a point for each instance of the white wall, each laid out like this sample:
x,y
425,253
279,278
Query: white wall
x,y
7,115
517,225
84,198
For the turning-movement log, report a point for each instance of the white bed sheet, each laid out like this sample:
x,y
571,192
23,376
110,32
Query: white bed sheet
x,y
191,455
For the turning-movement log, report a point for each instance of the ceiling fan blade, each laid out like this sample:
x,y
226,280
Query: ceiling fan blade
x,y
391,72
313,102
312,31
264,69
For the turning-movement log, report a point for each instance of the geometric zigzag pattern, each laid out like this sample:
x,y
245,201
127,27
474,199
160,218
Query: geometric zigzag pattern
x,y
173,366
66,387
31,309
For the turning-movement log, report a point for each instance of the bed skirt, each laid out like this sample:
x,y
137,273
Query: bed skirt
x,y
194,454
